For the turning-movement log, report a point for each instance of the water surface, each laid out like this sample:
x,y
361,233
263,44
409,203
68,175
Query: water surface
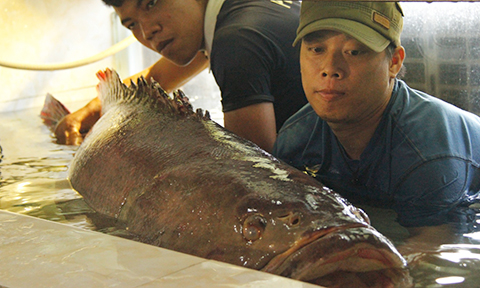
x,y
33,182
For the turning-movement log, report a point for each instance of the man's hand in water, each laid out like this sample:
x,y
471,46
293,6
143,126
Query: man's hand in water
x,y
72,128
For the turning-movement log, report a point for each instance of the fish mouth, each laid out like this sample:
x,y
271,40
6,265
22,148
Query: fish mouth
x,y
342,249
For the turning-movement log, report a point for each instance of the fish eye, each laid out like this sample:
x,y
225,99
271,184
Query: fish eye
x,y
253,227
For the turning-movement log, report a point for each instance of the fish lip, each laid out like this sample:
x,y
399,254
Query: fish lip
x,y
278,265
162,44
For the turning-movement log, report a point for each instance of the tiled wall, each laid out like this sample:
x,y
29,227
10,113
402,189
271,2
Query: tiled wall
x,y
442,42
51,31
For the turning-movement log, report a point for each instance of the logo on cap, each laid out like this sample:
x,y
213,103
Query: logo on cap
x,y
380,19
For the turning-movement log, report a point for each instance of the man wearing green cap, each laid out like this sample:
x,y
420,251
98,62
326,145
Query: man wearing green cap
x,y
369,136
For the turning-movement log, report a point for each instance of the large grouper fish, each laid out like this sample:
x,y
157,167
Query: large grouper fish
x,y
180,181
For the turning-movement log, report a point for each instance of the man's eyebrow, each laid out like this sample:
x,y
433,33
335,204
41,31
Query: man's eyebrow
x,y
139,4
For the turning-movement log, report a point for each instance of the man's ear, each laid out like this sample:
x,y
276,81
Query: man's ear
x,y
397,61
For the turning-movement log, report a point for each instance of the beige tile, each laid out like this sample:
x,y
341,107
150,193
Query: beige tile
x,y
39,253
217,274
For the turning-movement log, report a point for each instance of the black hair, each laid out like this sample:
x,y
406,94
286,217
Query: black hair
x,y
116,3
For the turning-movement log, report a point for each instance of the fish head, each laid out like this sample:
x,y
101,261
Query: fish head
x,y
312,234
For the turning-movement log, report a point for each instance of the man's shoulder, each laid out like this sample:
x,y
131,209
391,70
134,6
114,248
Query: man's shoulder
x,y
294,135
413,107
305,117
425,104
257,15
430,128
260,6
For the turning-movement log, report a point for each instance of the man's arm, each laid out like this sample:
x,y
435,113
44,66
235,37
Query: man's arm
x,y
429,198
255,123
71,128
171,76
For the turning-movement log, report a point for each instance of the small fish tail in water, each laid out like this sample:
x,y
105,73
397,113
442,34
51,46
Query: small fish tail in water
x,y
53,111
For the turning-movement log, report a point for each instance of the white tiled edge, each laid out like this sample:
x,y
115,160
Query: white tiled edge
x,y
40,253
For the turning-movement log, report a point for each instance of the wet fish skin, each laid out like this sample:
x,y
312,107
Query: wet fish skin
x,y
183,182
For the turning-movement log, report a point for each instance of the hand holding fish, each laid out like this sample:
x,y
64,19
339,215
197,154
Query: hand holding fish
x,y
72,128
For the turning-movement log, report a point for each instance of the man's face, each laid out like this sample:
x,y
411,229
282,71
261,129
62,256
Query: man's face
x,y
343,79
173,28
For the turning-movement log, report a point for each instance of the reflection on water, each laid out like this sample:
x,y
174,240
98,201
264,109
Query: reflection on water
x,y
33,182
453,265
33,173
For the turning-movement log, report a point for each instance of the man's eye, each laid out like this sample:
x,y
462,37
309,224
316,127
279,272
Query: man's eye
x,y
151,4
130,26
316,49
355,52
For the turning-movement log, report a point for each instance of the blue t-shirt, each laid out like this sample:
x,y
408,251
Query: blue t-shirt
x,y
423,160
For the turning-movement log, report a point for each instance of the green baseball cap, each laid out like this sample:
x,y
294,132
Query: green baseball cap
x,y
375,24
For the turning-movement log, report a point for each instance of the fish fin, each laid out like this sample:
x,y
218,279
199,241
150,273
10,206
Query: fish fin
x,y
53,111
113,91
201,115
183,104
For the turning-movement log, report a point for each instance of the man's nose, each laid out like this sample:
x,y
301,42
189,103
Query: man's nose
x,y
333,66
149,30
